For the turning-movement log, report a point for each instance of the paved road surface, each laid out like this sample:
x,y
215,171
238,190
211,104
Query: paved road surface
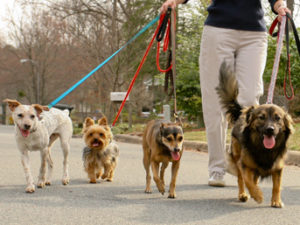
x,y
124,201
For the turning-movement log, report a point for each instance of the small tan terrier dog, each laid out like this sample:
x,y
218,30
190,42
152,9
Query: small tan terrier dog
x,y
100,153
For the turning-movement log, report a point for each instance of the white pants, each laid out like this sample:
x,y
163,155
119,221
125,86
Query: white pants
x,y
246,51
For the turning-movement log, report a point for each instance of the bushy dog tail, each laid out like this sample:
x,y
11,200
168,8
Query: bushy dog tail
x,y
227,91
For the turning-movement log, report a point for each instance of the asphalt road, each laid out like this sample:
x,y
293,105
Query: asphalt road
x,y
124,202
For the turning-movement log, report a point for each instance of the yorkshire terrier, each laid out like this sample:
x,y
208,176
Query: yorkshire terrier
x,y
100,153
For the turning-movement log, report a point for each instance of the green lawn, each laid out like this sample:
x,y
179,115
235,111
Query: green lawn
x,y
294,142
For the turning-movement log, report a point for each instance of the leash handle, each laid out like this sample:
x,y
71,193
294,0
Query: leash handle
x,y
162,28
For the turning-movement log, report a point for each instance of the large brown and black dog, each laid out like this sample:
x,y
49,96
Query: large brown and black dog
x,y
162,143
258,142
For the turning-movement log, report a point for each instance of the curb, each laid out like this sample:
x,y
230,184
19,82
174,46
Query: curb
x,y
293,157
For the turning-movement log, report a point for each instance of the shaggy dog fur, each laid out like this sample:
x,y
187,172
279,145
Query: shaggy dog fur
x,y
101,153
259,140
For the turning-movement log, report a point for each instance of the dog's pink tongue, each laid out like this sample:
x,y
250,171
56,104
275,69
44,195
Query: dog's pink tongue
x,y
95,144
175,155
269,142
25,133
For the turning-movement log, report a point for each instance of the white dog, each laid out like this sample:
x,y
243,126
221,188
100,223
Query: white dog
x,y
36,128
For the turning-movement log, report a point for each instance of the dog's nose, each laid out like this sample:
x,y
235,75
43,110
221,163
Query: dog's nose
x,y
26,127
270,130
176,149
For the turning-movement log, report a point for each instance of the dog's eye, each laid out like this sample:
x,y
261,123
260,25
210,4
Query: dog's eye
x,y
262,117
169,139
90,134
101,135
32,116
277,118
180,138
20,115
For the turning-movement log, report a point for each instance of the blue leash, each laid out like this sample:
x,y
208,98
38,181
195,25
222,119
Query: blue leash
x,y
102,64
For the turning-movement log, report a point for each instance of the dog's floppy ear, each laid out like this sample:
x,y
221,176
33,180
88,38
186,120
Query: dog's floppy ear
x,y
249,115
288,122
45,108
12,104
103,121
38,108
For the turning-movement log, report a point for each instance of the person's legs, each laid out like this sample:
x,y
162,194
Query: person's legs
x,y
249,66
217,45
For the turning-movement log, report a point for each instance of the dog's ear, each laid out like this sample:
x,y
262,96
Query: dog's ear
x,y
45,108
12,104
38,108
249,115
288,122
88,122
103,121
162,127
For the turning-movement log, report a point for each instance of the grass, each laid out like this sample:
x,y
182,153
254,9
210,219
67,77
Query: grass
x,y
293,144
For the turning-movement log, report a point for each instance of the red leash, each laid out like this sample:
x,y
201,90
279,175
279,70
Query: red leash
x,y
143,60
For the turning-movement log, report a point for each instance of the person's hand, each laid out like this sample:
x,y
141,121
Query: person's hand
x,y
168,3
281,9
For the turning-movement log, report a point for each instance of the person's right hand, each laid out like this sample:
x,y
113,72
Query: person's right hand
x,y
168,3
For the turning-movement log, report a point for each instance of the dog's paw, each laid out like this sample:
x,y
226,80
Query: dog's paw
x,y
109,179
40,184
277,204
172,195
104,176
148,190
30,188
243,197
258,198
48,183
65,181
93,181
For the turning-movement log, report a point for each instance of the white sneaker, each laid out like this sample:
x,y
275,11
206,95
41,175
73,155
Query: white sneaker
x,y
216,179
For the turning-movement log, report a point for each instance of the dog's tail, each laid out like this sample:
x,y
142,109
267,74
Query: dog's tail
x,y
227,91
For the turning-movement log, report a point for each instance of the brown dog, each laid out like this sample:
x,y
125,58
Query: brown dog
x,y
258,143
162,143
101,152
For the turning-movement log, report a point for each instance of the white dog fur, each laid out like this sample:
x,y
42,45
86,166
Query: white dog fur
x,y
36,128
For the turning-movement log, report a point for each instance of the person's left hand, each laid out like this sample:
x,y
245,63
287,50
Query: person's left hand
x,y
281,9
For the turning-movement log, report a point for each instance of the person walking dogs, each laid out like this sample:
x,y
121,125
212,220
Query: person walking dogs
x,y
235,32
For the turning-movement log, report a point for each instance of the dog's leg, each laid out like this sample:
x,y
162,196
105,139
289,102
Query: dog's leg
x,y
90,169
276,199
155,167
254,190
99,173
65,145
107,170
26,166
175,168
42,175
146,162
164,165
112,171
52,139
50,167
243,197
